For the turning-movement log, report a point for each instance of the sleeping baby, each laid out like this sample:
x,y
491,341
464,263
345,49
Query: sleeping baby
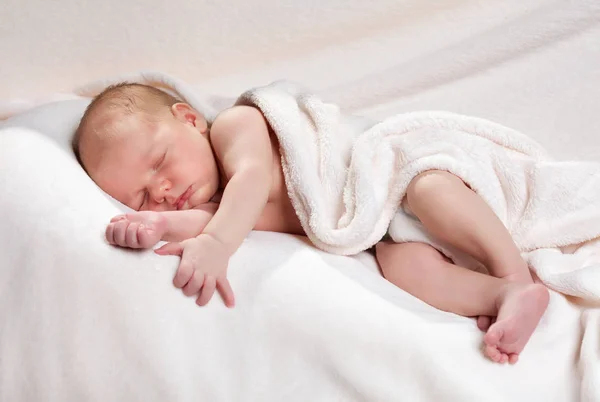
x,y
203,187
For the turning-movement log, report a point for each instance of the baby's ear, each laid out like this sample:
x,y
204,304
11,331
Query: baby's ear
x,y
187,114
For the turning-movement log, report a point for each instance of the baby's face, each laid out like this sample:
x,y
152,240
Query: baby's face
x,y
158,166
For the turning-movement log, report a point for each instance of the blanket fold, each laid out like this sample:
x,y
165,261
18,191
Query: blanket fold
x,y
346,178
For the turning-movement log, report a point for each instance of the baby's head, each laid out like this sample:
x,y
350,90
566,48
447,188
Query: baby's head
x,y
147,149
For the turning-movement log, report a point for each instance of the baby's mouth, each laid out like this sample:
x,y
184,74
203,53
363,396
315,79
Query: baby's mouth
x,y
183,198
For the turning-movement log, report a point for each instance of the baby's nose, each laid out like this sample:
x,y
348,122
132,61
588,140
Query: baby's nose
x,y
161,191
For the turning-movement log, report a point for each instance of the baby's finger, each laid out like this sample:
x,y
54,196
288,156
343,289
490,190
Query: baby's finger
x,y
119,233
110,229
208,290
170,249
226,292
183,275
144,234
131,237
194,284
118,218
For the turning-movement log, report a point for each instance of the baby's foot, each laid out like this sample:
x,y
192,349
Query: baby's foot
x,y
520,309
484,321
136,230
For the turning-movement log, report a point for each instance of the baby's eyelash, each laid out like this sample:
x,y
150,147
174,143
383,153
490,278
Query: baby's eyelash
x,y
160,161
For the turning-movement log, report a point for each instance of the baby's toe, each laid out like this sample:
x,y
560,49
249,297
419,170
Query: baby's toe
x,y
493,353
493,335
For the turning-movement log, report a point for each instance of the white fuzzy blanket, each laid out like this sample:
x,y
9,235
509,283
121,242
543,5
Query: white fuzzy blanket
x,y
347,178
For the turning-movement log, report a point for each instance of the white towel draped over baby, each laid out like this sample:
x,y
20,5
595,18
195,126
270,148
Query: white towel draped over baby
x,y
347,175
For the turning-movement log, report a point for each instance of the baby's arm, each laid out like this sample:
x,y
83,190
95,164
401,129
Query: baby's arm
x,y
145,228
240,138
190,223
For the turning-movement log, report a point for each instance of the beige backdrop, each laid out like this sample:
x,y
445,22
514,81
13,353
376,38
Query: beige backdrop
x,y
530,64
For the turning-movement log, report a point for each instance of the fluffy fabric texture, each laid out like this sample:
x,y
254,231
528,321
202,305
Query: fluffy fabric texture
x,y
347,179
88,321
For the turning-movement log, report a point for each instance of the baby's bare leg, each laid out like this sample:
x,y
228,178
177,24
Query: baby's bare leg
x,y
423,272
457,215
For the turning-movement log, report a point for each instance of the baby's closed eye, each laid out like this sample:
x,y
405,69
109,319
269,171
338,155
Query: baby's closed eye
x,y
160,161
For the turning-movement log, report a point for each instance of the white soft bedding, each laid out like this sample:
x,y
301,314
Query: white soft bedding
x,y
85,321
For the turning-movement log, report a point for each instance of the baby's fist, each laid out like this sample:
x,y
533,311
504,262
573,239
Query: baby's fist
x,y
136,230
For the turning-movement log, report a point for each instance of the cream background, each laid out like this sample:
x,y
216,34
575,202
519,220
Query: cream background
x,y
529,64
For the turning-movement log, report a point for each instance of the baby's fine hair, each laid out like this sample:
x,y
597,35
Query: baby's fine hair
x,y
125,98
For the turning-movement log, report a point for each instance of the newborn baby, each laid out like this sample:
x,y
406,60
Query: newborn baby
x,y
204,187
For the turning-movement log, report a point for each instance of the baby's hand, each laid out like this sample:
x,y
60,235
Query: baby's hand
x,y
203,268
136,230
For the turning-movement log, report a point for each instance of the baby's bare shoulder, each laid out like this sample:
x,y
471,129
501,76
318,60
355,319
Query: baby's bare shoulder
x,y
240,138
239,117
